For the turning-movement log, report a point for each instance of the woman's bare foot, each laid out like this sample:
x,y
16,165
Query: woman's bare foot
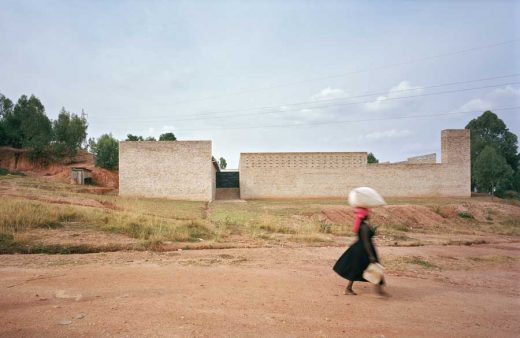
x,y
350,292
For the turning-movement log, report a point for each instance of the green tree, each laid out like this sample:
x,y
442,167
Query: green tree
x,y
516,181
150,138
167,137
371,158
222,163
489,130
28,126
131,137
91,144
106,150
70,131
492,172
6,108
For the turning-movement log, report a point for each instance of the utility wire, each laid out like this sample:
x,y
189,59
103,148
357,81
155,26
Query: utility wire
x,y
348,121
202,114
326,105
422,59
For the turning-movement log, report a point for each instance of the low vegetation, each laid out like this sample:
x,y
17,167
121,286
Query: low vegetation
x,y
38,206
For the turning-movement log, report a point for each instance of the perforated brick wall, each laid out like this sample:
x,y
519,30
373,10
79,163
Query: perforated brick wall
x,y
333,175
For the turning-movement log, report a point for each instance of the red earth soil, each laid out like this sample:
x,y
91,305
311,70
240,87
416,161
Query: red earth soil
x,y
17,160
471,291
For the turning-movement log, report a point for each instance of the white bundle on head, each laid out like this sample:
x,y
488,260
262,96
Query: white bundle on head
x,y
365,197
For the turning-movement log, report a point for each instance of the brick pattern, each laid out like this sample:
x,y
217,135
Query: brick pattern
x,y
303,160
429,158
171,169
184,170
266,178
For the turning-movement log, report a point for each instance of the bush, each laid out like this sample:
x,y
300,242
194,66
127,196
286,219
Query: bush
x,y
511,194
167,137
465,214
106,149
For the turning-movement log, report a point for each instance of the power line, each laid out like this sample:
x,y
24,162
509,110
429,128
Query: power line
x,y
328,105
422,59
348,121
202,114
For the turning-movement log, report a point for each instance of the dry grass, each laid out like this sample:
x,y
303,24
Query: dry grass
x,y
17,215
156,221
509,226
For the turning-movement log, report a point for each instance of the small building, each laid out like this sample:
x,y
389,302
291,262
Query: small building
x,y
80,175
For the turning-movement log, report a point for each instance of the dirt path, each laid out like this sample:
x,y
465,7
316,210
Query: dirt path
x,y
273,292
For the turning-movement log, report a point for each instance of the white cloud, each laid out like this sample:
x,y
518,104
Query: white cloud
x,y
167,128
328,94
475,104
497,98
403,89
506,92
388,134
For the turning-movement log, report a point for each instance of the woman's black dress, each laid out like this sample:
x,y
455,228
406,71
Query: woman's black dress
x,y
356,259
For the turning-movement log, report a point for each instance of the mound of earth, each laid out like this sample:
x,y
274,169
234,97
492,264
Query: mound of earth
x,y
17,160
408,215
424,216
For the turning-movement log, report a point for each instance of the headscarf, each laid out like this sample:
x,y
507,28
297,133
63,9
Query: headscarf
x,y
361,214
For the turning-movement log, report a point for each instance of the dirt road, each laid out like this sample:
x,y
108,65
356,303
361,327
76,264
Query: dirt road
x,y
448,291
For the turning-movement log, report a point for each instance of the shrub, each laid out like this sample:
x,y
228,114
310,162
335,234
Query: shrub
x,y
511,194
465,214
106,149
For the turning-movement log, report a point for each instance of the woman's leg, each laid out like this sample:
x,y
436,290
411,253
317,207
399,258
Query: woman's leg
x,y
348,290
380,291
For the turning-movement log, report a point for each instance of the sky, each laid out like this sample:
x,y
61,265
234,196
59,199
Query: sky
x,y
269,76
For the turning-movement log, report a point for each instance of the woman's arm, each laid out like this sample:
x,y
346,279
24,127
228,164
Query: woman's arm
x,y
367,243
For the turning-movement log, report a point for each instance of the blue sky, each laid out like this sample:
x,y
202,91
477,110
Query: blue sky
x,y
149,67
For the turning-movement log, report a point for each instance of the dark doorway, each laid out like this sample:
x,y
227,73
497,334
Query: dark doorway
x,y
228,179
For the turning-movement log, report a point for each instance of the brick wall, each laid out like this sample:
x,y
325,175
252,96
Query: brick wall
x,y
429,158
184,170
318,175
171,169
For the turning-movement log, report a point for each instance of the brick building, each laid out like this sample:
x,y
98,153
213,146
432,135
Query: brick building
x,y
186,170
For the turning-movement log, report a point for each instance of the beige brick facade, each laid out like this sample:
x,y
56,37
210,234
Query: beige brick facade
x,y
184,170
333,175
177,170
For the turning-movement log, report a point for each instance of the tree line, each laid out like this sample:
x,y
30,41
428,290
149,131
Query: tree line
x,y
25,125
495,159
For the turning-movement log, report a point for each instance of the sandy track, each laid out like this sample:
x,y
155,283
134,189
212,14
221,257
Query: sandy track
x,y
276,292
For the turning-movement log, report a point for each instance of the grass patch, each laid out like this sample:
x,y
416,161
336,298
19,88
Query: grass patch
x,y
155,222
310,239
20,215
465,215
509,226
5,172
152,229
19,248
421,262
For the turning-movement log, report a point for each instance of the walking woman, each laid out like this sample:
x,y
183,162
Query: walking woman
x,y
356,259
